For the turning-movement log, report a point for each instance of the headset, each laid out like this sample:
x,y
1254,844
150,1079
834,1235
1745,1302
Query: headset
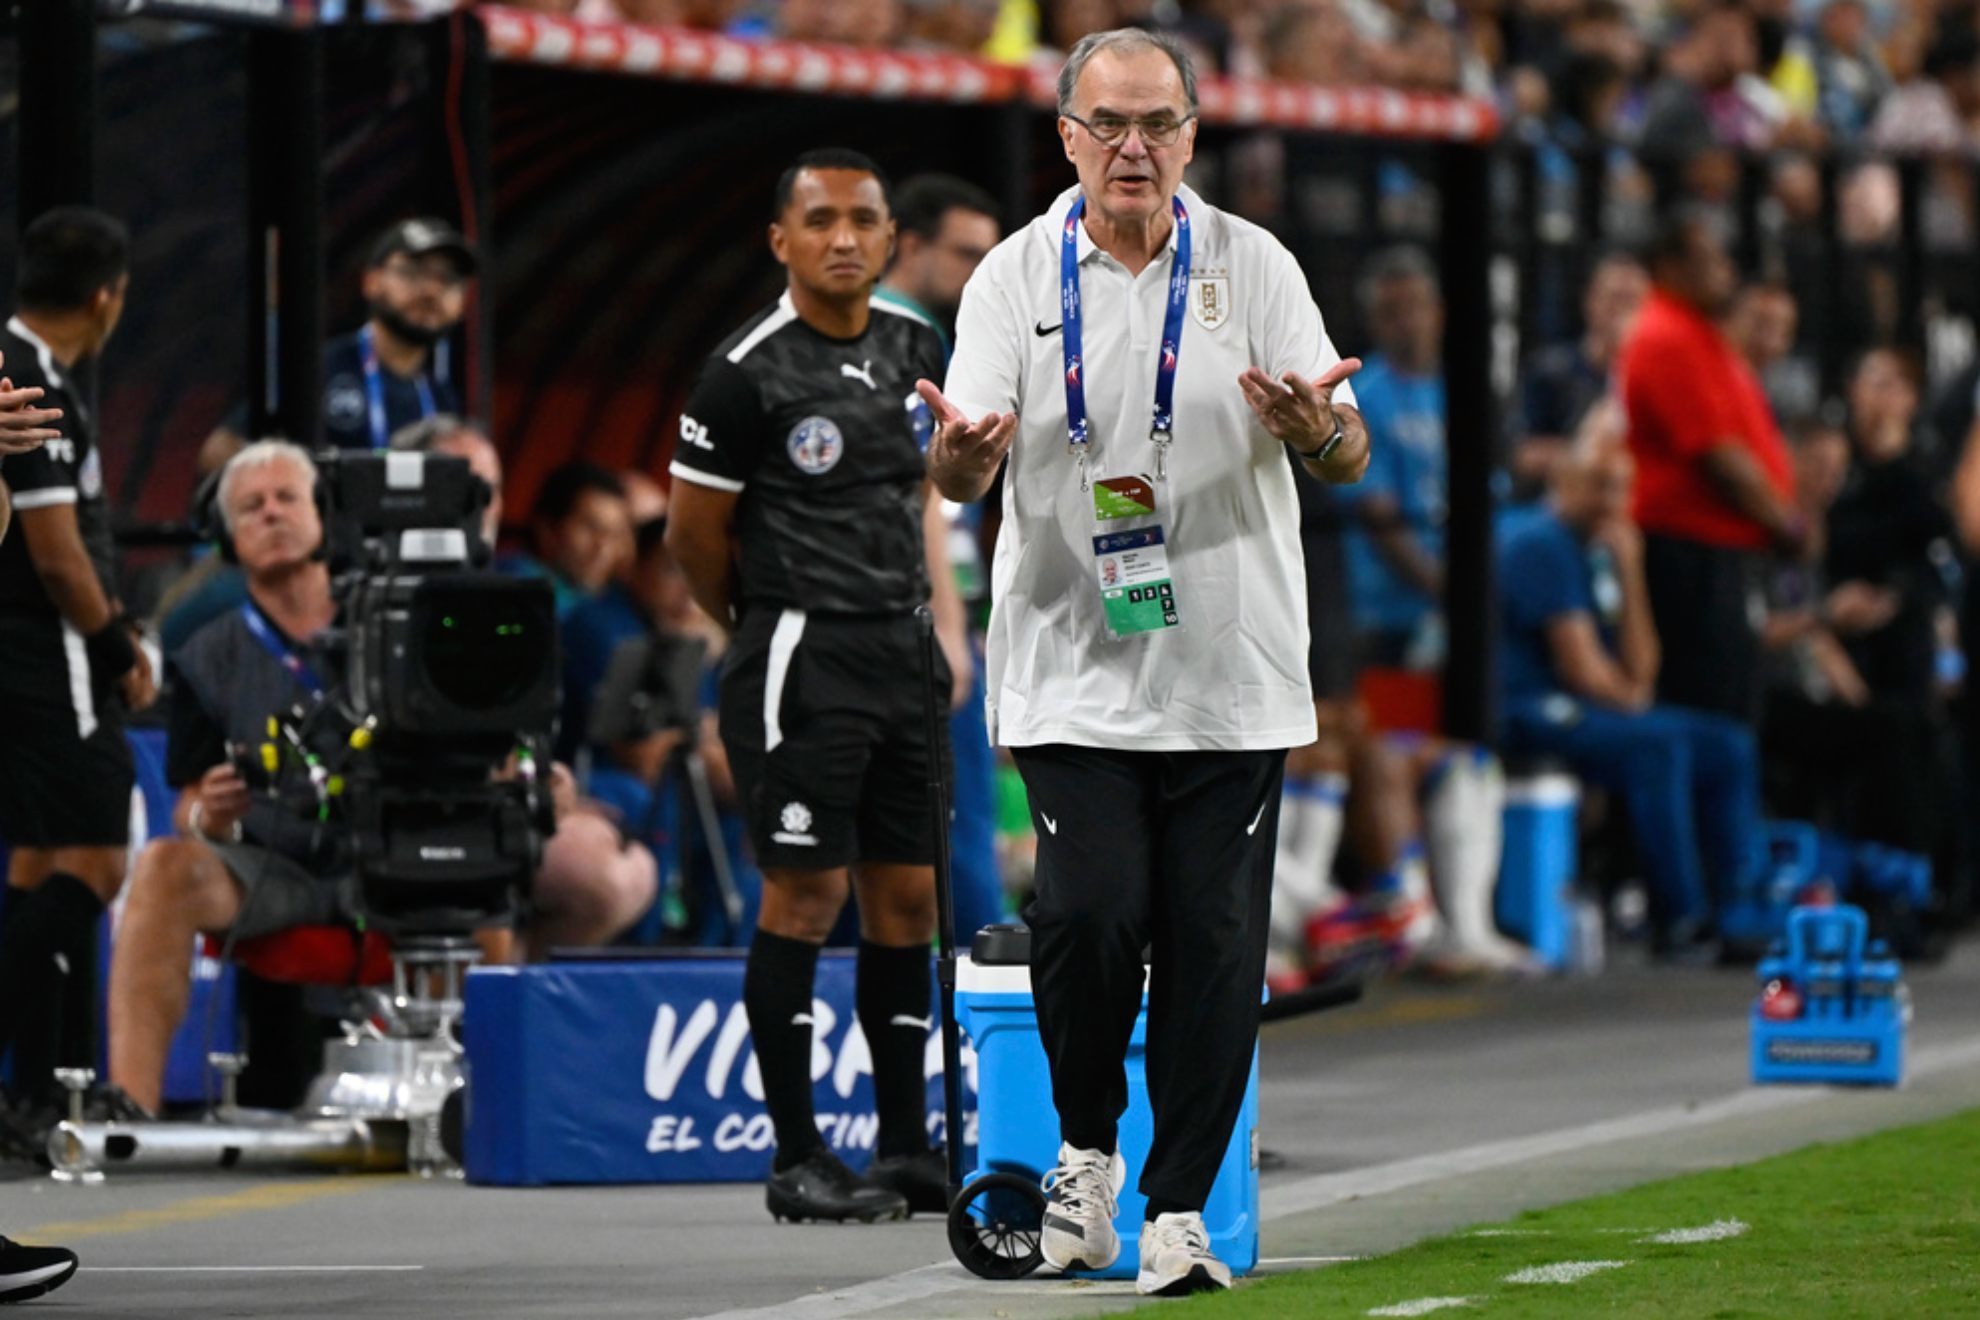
x,y
211,520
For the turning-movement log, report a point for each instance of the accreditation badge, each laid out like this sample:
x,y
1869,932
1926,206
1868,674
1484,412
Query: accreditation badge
x,y
1131,558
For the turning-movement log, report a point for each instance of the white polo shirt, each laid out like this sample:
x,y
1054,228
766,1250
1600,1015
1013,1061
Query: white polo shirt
x,y
1233,676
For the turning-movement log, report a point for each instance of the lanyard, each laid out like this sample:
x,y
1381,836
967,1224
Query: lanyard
x,y
374,391
285,655
1165,370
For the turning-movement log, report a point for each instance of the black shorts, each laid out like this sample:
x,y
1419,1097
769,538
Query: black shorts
x,y
66,770
827,736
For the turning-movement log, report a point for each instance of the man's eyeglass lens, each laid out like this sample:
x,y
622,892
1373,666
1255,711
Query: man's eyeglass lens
x,y
1112,130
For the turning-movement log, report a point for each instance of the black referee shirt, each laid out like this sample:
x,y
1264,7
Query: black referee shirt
x,y
66,470
822,438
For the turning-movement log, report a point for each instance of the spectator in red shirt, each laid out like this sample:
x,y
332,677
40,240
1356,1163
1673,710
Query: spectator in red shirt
x,y
1715,486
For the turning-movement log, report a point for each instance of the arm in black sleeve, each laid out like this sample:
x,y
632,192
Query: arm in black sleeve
x,y
721,429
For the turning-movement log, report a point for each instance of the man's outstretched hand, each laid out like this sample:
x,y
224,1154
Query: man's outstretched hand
x,y
963,456
23,427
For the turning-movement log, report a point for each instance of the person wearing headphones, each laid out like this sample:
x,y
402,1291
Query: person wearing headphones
x,y
238,862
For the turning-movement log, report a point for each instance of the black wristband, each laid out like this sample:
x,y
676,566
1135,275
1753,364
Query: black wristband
x,y
111,652
1325,450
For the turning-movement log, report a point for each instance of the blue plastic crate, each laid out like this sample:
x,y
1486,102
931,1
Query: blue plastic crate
x,y
1852,1024
1018,1129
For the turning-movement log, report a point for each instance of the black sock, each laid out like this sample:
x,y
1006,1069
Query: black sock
x,y
892,996
1158,1206
48,982
777,986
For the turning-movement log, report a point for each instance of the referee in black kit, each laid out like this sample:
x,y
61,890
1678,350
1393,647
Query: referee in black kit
x,y
797,515
70,665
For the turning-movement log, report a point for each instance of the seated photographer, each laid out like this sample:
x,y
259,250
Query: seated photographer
x,y
243,864
593,883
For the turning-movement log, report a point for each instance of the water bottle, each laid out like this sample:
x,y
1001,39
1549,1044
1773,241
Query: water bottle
x,y
1590,949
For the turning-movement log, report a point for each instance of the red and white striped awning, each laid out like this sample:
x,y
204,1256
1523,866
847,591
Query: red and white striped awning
x,y
692,56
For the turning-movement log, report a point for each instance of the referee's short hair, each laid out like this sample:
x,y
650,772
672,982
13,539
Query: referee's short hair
x,y
828,158
922,201
67,254
562,489
258,455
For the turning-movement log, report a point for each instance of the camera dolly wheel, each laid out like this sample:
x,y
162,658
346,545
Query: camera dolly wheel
x,y
997,1224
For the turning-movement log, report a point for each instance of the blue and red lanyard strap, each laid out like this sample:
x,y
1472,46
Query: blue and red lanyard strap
x,y
374,392
1160,430
278,647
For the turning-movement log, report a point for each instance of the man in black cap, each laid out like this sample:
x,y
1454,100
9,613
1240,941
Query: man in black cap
x,y
393,370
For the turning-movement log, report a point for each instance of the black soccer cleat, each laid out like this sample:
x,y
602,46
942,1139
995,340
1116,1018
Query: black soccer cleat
x,y
921,1178
31,1271
820,1186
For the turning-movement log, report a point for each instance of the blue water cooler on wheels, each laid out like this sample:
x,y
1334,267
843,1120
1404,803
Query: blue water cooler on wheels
x,y
1018,1128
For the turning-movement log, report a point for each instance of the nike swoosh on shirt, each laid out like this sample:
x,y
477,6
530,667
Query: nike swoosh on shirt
x,y
1044,330
1253,827
903,1020
1050,824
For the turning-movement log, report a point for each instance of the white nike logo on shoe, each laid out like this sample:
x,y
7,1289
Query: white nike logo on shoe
x,y
1253,827
801,1020
903,1020
1050,824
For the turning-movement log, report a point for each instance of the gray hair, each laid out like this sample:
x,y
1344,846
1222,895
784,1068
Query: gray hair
x,y
260,454
1125,41
426,434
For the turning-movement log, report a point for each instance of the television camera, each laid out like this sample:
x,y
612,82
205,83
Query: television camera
x,y
430,761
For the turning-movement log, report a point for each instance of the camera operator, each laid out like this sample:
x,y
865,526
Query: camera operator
x,y
593,883
241,863
72,665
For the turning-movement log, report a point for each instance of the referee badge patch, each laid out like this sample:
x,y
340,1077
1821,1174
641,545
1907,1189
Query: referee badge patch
x,y
815,445
1210,300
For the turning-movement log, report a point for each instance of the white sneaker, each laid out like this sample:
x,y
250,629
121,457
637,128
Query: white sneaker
x,y
1084,1193
1176,1258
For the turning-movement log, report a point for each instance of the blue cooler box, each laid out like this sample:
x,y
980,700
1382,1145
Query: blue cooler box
x,y
1854,1011
1534,902
1017,1127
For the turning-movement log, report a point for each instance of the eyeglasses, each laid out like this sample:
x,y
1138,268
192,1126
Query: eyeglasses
x,y
445,277
1111,131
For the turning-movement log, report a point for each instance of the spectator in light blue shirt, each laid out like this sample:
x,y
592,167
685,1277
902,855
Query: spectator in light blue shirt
x,y
1395,541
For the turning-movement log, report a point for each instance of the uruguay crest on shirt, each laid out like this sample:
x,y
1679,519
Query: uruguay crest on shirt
x,y
1210,300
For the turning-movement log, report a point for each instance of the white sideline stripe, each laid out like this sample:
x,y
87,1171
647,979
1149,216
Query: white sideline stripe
x,y
1422,1306
1333,1188
1567,1271
1330,1189
1716,1231
250,1269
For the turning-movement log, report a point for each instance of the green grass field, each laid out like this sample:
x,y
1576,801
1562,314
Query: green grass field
x,y
1884,1226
